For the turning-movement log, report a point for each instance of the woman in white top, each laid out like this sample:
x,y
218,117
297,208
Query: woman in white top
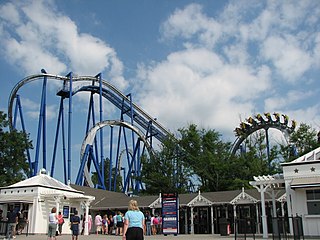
x,y
52,224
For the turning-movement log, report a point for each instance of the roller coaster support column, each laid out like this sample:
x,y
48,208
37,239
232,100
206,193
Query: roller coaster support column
x,y
41,124
69,126
117,162
83,162
18,107
101,132
131,119
110,165
60,119
268,149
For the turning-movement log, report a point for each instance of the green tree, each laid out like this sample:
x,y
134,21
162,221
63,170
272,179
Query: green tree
x,y
301,141
13,160
164,171
207,155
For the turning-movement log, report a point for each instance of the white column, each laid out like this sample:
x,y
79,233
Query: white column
x,y
263,210
274,214
226,209
86,220
212,219
282,209
192,225
33,215
258,218
57,201
289,204
235,217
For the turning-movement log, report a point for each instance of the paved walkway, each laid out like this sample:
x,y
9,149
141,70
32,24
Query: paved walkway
x,y
112,237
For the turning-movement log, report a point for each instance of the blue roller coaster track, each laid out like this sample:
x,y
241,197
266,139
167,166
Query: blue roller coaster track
x,y
136,132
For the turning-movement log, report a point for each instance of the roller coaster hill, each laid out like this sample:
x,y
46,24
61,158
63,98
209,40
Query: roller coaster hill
x,y
127,135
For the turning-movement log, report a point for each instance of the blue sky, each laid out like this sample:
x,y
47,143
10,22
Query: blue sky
x,y
213,63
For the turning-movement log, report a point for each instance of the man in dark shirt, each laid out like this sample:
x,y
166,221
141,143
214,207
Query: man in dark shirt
x,y
12,220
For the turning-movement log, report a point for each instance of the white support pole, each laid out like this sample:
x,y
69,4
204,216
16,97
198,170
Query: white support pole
x,y
289,204
86,220
192,225
264,216
258,218
57,201
235,217
212,219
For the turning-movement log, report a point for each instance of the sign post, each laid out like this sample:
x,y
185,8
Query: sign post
x,y
170,211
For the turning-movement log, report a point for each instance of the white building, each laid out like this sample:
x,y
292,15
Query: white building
x,y
302,181
36,196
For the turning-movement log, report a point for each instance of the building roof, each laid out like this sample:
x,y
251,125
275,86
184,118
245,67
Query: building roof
x,y
42,180
112,200
313,155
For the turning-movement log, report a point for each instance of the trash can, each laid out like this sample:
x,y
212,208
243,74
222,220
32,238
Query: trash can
x,y
224,226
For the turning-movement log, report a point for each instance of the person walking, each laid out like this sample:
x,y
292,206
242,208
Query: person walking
x,y
134,222
75,221
52,228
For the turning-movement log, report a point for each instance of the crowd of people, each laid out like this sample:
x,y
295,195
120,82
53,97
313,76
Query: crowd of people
x,y
133,223
114,224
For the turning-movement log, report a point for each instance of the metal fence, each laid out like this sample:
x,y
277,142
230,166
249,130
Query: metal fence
x,y
245,229
280,228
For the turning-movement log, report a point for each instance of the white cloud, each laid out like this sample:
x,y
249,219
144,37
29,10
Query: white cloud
x,y
236,63
196,86
33,110
190,22
38,36
289,59
290,99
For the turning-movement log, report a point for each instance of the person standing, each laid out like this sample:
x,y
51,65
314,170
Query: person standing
x,y
115,224
119,223
105,224
12,220
148,223
134,222
52,224
98,223
111,224
75,221
60,222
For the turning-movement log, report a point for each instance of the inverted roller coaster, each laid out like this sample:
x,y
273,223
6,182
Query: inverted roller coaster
x,y
260,122
132,134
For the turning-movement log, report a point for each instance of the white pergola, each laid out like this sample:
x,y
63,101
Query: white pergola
x,y
267,184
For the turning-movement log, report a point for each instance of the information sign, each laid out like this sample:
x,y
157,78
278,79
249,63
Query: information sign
x,y
170,203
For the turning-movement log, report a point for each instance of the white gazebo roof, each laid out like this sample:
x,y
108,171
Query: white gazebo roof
x,y
41,186
42,180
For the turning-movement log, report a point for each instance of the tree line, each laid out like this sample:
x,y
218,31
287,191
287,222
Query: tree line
x,y
191,159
